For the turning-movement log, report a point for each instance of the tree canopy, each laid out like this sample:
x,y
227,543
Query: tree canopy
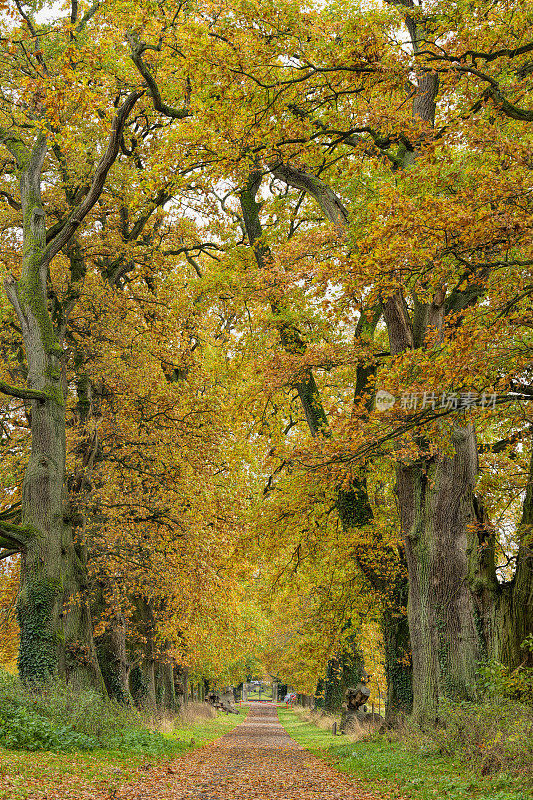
x,y
266,342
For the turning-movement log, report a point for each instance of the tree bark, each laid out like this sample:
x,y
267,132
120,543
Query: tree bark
x,y
53,613
505,609
145,619
516,622
165,689
436,499
111,649
54,618
355,511
342,672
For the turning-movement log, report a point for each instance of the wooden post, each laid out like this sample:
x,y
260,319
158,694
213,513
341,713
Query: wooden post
x,y
334,729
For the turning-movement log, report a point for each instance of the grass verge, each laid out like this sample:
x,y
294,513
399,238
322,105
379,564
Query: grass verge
x,y
393,770
101,773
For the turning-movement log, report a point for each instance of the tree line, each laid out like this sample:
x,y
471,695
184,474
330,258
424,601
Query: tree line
x,y
228,229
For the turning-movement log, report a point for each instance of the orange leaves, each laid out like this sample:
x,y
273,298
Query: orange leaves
x,y
9,631
256,761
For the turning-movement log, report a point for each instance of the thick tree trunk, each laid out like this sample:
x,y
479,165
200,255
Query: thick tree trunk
x,y
353,504
165,690
342,672
355,511
516,622
181,684
436,500
398,658
56,630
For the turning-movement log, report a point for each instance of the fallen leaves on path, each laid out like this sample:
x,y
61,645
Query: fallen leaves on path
x,y
256,761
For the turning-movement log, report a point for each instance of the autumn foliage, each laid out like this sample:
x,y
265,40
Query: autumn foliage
x,y
248,221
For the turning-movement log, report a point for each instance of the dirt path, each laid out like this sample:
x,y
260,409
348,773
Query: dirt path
x,y
256,761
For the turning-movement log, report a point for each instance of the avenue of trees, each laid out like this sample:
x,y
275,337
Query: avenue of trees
x,y
229,230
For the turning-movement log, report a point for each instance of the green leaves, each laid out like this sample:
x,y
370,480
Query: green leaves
x,y
22,729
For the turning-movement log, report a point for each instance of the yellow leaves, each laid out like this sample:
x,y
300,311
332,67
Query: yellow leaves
x,y
9,631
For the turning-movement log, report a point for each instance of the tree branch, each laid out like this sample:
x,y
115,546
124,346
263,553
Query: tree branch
x,y
87,16
104,165
328,201
23,394
7,553
14,536
290,336
137,49
493,92
11,201
16,146
508,108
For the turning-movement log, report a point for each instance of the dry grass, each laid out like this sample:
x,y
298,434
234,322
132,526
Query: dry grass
x,y
194,712
323,721
489,737
168,722
356,730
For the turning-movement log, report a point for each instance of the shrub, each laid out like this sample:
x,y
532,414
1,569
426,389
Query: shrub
x,y
59,718
22,729
496,680
89,712
491,736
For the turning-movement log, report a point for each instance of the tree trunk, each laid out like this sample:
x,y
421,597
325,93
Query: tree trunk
x,y
112,657
398,658
506,610
353,505
342,672
165,691
436,499
181,683
355,511
56,630
55,623
146,627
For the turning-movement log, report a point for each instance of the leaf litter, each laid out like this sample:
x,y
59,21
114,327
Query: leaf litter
x,y
255,761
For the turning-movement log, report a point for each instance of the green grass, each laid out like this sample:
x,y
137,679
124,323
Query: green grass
x,y
254,695
77,775
392,770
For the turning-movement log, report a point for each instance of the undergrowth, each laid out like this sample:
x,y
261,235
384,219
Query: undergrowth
x,y
60,719
479,752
